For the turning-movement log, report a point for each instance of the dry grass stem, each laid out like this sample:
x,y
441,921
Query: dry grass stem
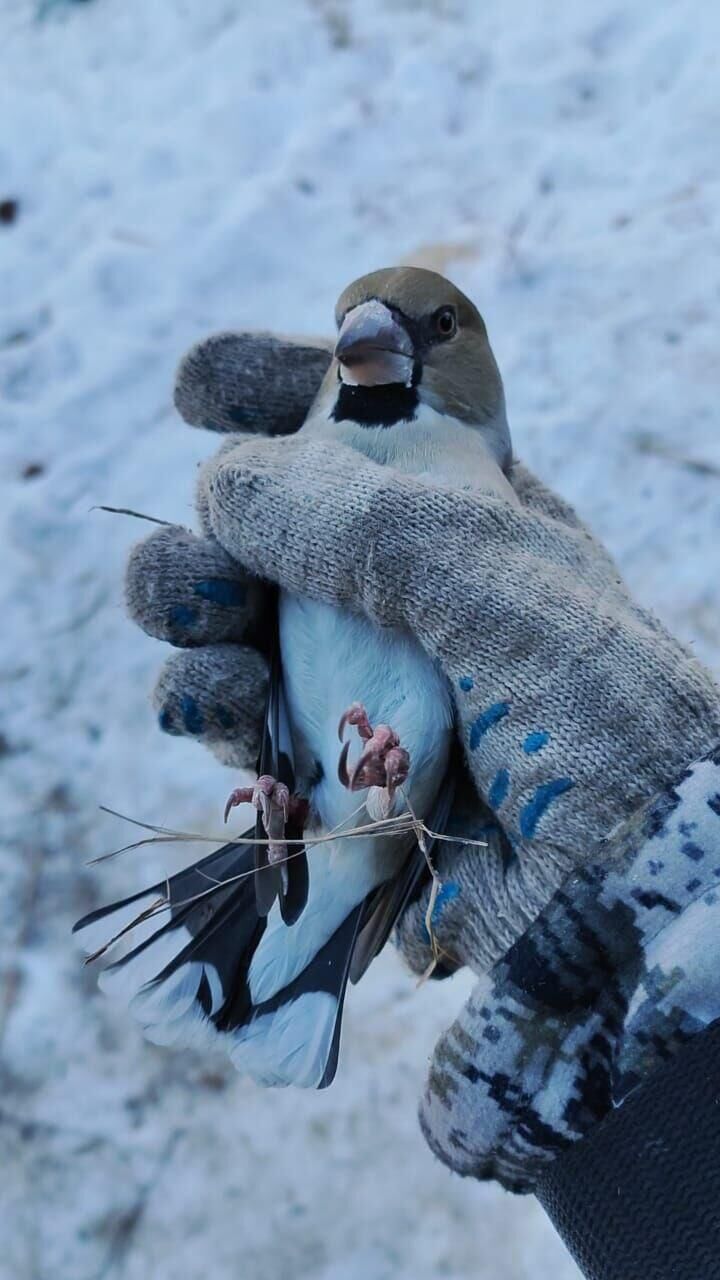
x,y
401,824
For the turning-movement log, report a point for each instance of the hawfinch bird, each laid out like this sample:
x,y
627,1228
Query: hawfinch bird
x,y
257,942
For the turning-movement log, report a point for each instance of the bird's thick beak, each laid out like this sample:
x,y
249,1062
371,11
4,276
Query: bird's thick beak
x,y
373,348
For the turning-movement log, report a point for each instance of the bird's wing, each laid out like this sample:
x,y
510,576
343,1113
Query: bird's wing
x,y
385,905
287,881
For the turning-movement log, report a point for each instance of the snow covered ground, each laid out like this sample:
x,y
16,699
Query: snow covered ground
x,y
185,167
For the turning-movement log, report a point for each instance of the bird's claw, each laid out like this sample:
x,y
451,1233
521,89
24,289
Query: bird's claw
x,y
273,802
397,768
358,716
384,762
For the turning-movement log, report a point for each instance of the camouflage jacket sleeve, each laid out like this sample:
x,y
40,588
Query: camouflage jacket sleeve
x,y
610,981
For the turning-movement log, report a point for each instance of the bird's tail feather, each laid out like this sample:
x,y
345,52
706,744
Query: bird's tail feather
x,y
186,978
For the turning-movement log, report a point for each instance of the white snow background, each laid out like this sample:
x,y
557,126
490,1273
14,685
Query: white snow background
x,y
186,167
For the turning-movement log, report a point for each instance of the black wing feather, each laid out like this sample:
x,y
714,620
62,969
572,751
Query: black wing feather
x,y
289,882
385,906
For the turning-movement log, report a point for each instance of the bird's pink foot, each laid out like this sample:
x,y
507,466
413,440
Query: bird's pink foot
x,y
276,807
384,763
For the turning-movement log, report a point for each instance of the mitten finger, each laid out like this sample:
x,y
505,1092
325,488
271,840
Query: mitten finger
x,y
250,382
188,590
215,694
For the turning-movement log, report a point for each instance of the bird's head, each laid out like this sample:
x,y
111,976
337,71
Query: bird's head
x,y
409,344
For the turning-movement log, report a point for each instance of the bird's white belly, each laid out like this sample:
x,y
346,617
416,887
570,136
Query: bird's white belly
x,y
331,658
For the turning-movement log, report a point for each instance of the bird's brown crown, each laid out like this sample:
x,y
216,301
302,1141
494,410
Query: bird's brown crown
x,y
415,292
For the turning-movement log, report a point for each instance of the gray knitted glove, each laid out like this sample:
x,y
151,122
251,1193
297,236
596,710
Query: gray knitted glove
x,y
577,711
184,588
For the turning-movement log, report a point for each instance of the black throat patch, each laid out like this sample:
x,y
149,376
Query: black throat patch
x,y
376,406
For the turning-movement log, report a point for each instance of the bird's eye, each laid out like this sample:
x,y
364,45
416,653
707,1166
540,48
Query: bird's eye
x,y
445,323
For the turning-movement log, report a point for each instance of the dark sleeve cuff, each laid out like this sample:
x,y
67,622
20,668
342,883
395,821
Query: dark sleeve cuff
x,y
639,1199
